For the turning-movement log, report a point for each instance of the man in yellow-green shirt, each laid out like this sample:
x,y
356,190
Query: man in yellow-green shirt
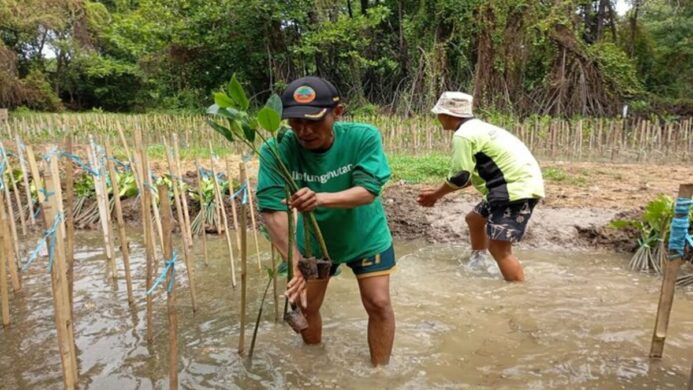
x,y
501,168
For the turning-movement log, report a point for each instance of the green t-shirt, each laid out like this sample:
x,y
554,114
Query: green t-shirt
x,y
356,158
498,164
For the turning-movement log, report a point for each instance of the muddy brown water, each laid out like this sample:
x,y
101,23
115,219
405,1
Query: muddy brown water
x,y
580,321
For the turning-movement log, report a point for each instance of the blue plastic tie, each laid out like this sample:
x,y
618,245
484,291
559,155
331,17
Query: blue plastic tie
x,y
123,166
170,264
48,234
46,193
2,175
79,163
242,191
679,228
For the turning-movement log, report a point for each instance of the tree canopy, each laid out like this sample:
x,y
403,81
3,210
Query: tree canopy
x,y
560,57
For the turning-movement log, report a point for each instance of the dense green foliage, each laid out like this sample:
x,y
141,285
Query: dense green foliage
x,y
516,56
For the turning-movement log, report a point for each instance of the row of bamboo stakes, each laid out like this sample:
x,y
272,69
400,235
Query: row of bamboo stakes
x,y
46,179
591,139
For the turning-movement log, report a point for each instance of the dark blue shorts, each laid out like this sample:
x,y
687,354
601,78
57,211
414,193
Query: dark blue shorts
x,y
506,221
381,264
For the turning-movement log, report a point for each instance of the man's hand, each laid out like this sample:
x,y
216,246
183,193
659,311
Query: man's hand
x,y
297,288
428,197
304,200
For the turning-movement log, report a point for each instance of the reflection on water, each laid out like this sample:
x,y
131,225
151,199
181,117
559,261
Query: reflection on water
x,y
580,321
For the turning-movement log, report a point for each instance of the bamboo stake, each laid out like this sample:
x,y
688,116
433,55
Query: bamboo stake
x,y
184,198
200,193
666,295
217,208
145,203
103,205
181,223
15,190
171,294
252,220
120,224
234,214
52,209
4,293
35,177
69,223
155,206
244,265
176,192
220,205
129,157
10,214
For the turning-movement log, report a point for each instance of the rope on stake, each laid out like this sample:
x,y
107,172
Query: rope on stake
x,y
170,264
48,234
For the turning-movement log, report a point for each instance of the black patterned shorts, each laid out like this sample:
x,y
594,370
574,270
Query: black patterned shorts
x,y
506,221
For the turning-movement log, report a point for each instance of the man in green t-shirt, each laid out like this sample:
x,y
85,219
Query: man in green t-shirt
x,y
499,166
340,169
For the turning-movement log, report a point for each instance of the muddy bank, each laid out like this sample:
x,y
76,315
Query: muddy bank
x,y
552,228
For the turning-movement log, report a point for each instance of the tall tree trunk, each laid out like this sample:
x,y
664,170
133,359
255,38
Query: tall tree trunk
x,y
633,26
601,15
364,6
403,52
351,13
483,69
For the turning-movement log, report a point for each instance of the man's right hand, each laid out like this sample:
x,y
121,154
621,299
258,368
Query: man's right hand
x,y
296,288
428,197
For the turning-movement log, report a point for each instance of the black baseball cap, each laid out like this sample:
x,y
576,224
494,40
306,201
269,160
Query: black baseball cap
x,y
309,98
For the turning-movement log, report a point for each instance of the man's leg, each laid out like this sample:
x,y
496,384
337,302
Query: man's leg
x,y
375,295
316,294
477,230
510,267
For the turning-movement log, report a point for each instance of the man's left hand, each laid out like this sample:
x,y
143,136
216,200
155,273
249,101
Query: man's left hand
x,y
305,200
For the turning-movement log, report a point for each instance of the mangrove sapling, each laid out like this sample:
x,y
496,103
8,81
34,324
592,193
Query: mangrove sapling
x,y
204,196
271,277
245,128
653,227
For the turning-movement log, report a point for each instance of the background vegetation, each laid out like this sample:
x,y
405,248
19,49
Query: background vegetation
x,y
520,57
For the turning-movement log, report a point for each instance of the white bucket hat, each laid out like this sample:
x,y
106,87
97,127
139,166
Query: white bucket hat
x,y
455,104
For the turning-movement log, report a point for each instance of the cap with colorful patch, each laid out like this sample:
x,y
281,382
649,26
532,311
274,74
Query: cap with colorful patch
x,y
309,98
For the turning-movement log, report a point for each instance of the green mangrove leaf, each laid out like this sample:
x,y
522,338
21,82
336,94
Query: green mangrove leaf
x,y
281,133
213,109
237,93
269,119
253,123
222,100
275,103
248,131
230,113
236,128
221,130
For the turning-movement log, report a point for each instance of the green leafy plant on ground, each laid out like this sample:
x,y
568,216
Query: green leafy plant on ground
x,y
653,227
